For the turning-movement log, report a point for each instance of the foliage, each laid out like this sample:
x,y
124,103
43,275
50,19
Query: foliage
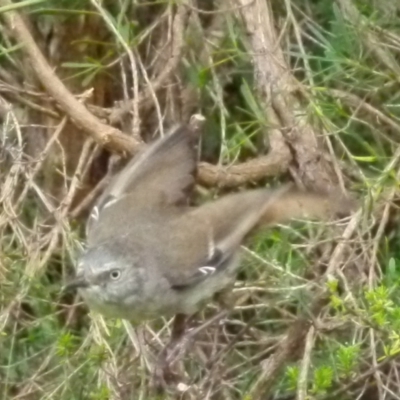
x,y
51,347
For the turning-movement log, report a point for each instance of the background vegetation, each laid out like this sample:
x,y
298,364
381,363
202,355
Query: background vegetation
x,y
293,90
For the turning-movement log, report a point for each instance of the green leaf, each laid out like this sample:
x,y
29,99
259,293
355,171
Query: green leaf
x,y
347,357
323,377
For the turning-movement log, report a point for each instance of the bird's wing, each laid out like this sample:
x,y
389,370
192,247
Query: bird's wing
x,y
163,174
212,234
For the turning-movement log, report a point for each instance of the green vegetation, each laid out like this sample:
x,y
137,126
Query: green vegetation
x,y
338,283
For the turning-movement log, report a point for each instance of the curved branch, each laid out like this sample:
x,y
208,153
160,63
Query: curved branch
x,y
276,162
104,134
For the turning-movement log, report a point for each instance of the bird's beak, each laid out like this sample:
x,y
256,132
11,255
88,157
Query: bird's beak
x,y
78,283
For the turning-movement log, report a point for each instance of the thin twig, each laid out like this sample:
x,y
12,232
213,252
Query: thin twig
x,y
302,381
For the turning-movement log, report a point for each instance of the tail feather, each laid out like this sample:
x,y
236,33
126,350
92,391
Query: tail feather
x,y
293,203
233,217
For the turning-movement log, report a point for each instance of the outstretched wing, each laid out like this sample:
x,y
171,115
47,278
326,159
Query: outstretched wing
x,y
212,265
213,233
162,174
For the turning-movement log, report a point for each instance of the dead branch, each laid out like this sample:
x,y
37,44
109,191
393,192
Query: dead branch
x,y
353,100
277,89
276,162
106,135
113,138
305,365
367,36
287,350
167,66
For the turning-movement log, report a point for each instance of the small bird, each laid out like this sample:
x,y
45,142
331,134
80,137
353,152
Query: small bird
x,y
150,253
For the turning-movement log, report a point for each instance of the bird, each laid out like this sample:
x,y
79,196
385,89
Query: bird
x,y
150,252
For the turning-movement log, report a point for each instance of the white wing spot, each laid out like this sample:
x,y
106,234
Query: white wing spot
x,y
95,213
207,270
211,246
110,264
110,203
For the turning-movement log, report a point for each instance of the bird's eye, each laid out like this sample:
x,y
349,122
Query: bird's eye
x,y
115,274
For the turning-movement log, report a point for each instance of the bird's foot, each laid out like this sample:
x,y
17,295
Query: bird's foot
x,y
163,374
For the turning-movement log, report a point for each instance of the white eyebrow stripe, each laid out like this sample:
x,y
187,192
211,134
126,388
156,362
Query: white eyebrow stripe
x,y
207,270
110,264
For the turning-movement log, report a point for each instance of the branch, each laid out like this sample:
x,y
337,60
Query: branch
x,y
167,67
368,38
276,162
305,365
112,138
353,100
288,350
104,134
277,89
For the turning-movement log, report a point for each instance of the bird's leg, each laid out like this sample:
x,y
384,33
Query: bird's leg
x,y
162,372
180,338
226,302
195,331
183,337
177,335
225,298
